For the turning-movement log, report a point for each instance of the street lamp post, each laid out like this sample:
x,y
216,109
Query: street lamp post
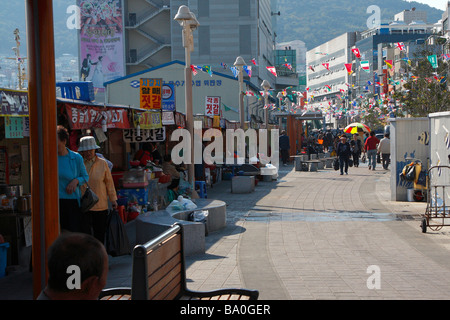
x,y
280,97
189,23
266,86
239,64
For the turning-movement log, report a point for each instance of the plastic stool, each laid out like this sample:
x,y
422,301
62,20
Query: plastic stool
x,y
201,185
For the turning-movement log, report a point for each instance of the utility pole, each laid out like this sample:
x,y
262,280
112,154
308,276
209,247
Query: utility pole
x,y
21,75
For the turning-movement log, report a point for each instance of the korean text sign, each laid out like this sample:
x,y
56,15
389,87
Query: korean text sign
x,y
212,106
150,94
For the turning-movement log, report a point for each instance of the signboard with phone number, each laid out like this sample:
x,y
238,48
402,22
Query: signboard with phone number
x,y
147,135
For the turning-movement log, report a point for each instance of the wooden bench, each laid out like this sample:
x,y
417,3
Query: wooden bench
x,y
159,273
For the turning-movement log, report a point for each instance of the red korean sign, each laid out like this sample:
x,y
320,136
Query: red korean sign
x,y
212,106
86,117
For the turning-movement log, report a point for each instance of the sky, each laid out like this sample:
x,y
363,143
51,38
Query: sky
x,y
439,4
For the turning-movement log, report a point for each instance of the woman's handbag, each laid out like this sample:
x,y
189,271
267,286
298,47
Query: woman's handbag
x,y
88,200
336,164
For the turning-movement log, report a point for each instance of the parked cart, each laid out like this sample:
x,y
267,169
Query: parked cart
x,y
437,214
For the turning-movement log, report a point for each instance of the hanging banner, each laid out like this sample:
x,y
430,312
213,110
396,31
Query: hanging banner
x,y
150,120
168,118
101,41
87,117
13,103
150,94
180,120
212,106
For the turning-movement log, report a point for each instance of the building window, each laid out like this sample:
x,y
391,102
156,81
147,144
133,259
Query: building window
x,y
203,8
245,39
204,44
244,8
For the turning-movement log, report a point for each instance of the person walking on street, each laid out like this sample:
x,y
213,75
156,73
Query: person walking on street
x,y
71,175
101,182
384,148
370,146
284,147
343,152
356,148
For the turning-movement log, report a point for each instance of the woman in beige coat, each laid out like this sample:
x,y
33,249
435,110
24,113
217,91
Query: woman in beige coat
x,y
101,182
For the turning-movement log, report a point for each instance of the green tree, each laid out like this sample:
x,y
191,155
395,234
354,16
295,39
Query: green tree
x,y
425,91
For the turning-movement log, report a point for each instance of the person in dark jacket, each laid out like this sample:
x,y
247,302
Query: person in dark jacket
x,y
344,153
284,147
356,148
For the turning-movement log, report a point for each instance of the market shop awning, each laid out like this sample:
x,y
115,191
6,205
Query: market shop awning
x,y
85,115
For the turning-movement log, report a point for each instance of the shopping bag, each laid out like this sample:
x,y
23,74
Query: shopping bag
x,y
336,164
116,242
350,162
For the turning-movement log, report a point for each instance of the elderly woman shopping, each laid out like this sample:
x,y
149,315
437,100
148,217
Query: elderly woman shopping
x,y
101,182
71,175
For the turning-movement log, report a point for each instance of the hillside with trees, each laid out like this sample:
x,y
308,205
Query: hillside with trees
x,y
317,21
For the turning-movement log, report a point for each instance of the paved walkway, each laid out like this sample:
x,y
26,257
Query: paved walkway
x,y
312,235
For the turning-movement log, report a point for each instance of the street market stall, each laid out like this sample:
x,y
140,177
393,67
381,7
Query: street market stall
x,y
15,198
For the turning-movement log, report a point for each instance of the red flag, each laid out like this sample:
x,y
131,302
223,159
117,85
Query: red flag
x,y
357,53
326,66
194,71
272,70
254,61
349,68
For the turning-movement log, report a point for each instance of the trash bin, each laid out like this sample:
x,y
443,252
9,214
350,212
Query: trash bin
x,y
3,258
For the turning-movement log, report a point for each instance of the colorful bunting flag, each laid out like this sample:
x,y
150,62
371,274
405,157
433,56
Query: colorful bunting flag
x,y
311,68
400,45
235,71
365,66
207,69
194,71
248,69
224,65
254,61
389,63
433,60
288,65
356,52
326,66
272,70
349,68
